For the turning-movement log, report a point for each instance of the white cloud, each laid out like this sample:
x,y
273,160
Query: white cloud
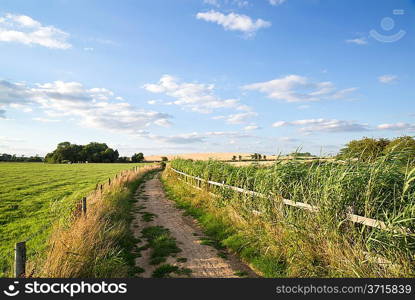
x,y
295,88
94,108
89,49
186,138
325,125
387,78
25,30
241,3
252,127
212,2
219,3
358,41
46,120
240,118
397,126
286,139
276,2
234,22
196,97
196,137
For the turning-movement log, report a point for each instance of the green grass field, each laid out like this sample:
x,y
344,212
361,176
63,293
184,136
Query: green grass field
x,y
34,195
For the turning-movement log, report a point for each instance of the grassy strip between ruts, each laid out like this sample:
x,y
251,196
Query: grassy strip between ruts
x,y
100,244
279,248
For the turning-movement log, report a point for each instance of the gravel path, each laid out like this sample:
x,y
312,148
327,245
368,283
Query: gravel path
x,y
203,260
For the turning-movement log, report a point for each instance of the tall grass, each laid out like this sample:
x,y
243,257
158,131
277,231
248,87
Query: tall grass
x,y
327,244
98,244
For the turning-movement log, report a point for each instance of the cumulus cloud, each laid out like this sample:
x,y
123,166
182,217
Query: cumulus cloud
x,y
252,127
45,120
234,22
357,41
325,125
196,97
186,138
295,88
219,3
397,126
212,2
95,108
25,30
387,78
240,118
195,137
276,2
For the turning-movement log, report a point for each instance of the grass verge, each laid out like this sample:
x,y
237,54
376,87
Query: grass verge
x,y
101,243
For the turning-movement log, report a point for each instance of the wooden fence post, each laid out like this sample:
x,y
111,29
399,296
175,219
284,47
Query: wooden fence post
x,y
20,259
109,181
84,206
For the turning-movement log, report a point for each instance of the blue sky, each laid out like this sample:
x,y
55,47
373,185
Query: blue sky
x,y
166,76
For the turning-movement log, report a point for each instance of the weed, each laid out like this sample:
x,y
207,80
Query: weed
x,y
241,273
148,217
161,243
165,270
181,259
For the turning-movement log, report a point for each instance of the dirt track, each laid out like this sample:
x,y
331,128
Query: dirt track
x,y
203,260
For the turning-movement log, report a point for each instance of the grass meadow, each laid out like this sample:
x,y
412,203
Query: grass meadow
x,y
34,195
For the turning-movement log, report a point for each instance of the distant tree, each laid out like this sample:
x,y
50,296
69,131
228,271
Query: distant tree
x,y
265,157
299,154
365,149
234,158
123,159
164,158
138,157
14,158
240,157
92,152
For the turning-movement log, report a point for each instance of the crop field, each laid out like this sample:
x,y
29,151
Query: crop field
x,y
34,195
381,190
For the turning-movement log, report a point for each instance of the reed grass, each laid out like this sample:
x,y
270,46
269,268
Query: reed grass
x,y
322,244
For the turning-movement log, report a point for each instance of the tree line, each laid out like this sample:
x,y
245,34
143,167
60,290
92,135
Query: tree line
x,y
67,152
370,149
92,153
13,158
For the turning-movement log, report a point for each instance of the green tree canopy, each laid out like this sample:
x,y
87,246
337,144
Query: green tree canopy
x,y
138,157
365,149
92,152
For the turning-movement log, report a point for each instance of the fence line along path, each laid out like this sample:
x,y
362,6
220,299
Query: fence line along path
x,y
350,216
